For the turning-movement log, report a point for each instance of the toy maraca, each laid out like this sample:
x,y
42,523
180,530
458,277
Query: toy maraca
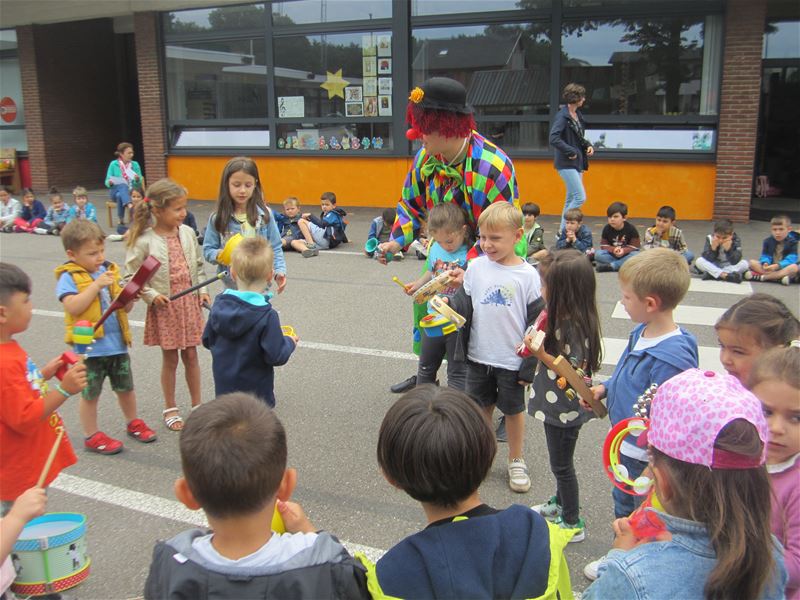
x,y
82,337
224,257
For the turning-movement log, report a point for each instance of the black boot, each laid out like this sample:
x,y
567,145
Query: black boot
x,y
405,385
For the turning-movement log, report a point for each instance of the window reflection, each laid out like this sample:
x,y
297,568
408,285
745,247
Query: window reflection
x,y
445,7
223,18
329,11
782,39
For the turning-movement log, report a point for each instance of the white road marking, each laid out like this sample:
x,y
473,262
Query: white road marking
x,y
709,355
157,506
685,315
720,287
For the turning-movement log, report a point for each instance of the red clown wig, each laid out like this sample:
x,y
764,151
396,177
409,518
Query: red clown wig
x,y
444,122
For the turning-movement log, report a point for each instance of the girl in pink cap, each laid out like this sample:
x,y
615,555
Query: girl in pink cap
x,y
707,441
775,380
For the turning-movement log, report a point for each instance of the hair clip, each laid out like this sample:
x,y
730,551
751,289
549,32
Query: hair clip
x,y
794,344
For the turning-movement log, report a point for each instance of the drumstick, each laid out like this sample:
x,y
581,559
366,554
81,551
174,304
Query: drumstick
x,y
400,283
194,288
51,457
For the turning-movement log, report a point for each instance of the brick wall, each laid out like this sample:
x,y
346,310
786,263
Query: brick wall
x,y
151,94
738,119
71,100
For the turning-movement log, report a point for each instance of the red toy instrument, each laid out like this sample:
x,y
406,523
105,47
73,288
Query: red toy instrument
x,y
146,271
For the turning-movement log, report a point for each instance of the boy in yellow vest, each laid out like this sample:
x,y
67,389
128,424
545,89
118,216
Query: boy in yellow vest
x,y
87,284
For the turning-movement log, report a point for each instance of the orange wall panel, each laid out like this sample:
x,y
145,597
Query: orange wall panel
x,y
643,186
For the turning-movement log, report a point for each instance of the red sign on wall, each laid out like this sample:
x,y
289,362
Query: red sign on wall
x,y
8,109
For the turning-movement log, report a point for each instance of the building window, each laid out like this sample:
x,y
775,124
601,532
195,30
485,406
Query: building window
x,y
456,7
12,111
782,39
327,11
223,18
642,66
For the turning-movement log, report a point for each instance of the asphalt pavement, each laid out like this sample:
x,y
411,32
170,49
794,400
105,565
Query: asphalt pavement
x,y
354,324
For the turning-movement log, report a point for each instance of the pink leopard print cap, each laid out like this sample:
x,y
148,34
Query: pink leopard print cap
x,y
689,410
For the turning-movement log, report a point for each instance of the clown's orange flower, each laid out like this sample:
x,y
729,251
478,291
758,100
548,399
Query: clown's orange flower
x,y
416,95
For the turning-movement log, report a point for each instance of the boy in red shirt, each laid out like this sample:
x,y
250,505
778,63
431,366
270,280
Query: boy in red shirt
x,y
28,418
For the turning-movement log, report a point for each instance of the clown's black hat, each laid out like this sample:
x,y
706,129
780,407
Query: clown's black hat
x,y
441,93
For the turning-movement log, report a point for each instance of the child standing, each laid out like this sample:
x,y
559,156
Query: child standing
x,y
664,234
324,232
775,380
534,233
652,284
447,225
722,254
86,286
83,209
241,209
381,229
56,217
9,209
573,329
287,222
575,234
244,331
32,214
242,557
778,261
174,325
500,297
749,328
619,240
28,417
707,441
436,446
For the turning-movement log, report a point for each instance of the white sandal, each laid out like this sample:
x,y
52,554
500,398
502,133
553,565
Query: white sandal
x,y
175,422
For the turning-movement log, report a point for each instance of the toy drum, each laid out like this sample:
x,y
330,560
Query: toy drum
x,y
50,555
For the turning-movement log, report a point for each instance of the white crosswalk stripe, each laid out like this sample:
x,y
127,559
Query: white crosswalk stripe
x,y
684,315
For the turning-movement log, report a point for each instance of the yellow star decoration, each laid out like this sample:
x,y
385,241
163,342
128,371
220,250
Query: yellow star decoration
x,y
335,84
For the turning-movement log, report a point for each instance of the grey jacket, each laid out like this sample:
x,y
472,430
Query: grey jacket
x,y
325,570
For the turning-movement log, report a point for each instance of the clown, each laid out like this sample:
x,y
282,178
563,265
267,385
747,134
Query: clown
x,y
455,164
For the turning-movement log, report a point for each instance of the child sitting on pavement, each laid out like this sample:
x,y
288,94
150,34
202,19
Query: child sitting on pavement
x,y
575,234
83,209
722,254
287,222
324,232
87,284
619,240
241,556
437,446
56,217
243,331
9,209
32,214
534,233
664,234
28,421
778,261
381,229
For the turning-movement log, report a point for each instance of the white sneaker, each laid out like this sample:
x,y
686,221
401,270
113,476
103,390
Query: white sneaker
x,y
43,231
114,237
786,280
590,570
550,510
518,479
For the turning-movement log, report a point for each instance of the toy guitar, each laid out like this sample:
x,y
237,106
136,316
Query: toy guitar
x,y
574,377
145,272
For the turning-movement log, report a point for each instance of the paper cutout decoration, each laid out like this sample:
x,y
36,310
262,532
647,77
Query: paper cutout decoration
x,y
335,84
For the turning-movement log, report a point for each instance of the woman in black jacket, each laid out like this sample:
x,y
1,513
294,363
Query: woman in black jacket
x,y
572,150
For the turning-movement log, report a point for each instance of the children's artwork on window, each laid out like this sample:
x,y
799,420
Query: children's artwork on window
x,y
370,67
308,139
384,66
371,107
384,44
291,106
385,106
384,85
368,44
352,93
370,86
354,109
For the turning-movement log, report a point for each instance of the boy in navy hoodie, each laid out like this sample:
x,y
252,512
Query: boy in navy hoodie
x,y
243,331
436,445
652,283
324,232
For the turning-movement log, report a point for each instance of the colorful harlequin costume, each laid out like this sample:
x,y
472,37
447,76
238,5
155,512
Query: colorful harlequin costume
x,y
484,175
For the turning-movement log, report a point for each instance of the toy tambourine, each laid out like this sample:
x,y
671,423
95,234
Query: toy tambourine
x,y
617,472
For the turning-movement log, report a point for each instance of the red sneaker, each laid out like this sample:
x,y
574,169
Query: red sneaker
x,y
102,444
139,430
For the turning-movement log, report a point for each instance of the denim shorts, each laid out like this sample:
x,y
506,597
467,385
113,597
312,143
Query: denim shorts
x,y
490,386
118,370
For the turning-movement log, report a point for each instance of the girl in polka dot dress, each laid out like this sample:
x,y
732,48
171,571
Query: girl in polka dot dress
x,y
572,330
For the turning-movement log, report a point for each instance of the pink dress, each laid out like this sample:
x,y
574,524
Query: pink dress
x,y
180,323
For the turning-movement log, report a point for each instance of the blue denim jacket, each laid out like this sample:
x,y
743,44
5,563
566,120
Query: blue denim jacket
x,y
674,569
213,242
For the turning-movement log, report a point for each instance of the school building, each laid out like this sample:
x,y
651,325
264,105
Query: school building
x,y
689,103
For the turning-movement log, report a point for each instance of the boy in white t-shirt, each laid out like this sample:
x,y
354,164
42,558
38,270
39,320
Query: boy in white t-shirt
x,y
500,297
